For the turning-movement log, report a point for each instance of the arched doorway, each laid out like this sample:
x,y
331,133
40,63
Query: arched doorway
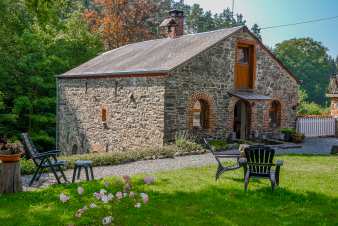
x,y
242,119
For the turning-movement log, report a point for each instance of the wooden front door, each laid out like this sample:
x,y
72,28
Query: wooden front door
x,y
242,119
245,63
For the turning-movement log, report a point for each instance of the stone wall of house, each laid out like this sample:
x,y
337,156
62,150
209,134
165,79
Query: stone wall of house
x,y
135,114
210,75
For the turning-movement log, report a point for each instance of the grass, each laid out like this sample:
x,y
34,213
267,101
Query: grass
x,y
308,195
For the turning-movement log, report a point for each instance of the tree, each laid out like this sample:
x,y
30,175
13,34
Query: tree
x,y
310,62
257,31
336,64
119,22
38,42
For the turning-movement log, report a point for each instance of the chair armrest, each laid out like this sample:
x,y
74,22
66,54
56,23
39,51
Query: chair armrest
x,y
45,154
279,162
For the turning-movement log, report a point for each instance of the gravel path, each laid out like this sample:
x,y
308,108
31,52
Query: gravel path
x,y
146,166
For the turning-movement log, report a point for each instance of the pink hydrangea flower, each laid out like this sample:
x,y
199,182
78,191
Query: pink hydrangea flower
x,y
64,198
144,197
107,220
119,195
97,195
149,180
81,211
80,190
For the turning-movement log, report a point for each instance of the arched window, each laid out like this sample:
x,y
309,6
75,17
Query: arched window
x,y
200,113
104,115
275,114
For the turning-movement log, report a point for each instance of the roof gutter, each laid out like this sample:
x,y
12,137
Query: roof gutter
x,y
117,74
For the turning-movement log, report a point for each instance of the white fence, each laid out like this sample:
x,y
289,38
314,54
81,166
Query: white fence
x,y
316,126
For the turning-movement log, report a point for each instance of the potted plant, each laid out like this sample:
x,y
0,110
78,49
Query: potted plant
x,y
10,152
297,137
288,132
10,176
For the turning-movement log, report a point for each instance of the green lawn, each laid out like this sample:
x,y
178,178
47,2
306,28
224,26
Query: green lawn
x,y
308,195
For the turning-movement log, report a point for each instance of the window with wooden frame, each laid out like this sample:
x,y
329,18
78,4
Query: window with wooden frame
x,y
104,114
245,67
200,114
275,114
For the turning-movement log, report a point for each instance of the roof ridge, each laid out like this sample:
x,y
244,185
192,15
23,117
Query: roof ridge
x,y
168,38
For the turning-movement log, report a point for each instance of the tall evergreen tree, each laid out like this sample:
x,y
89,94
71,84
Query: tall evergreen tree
x,y
257,31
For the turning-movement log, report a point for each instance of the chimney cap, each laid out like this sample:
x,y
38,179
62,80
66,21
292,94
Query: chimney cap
x,y
176,13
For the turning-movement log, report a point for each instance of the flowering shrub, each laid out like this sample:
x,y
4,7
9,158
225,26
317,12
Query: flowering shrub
x,y
105,199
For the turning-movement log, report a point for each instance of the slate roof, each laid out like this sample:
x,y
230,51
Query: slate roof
x,y
157,56
154,56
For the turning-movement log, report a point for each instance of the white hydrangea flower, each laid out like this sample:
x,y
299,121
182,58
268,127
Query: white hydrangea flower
x,y
92,205
119,195
64,198
107,220
144,197
80,190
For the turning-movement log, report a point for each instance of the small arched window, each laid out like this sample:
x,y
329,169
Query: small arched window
x,y
275,114
200,113
104,115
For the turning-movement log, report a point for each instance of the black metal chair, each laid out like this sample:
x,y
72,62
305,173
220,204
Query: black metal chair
x,y
258,163
43,160
219,155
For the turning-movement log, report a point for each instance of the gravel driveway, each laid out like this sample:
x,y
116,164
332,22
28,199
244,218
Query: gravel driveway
x,y
313,146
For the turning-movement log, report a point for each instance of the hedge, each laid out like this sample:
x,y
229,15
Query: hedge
x,y
120,157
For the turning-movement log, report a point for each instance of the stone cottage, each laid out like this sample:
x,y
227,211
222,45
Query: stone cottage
x,y
219,83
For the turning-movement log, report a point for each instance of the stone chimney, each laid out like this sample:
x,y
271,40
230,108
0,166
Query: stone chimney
x,y
173,26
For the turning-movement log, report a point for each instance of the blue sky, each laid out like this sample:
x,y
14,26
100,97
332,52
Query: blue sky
x,y
276,12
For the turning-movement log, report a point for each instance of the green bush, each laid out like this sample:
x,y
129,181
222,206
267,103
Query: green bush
x,y
219,144
184,145
288,131
186,142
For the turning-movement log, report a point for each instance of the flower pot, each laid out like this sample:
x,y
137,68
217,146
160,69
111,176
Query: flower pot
x,y
10,158
287,137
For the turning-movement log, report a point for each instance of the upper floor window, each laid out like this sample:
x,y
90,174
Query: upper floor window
x,y
275,114
200,113
243,55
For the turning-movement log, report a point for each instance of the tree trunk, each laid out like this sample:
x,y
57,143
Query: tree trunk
x,y
10,177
